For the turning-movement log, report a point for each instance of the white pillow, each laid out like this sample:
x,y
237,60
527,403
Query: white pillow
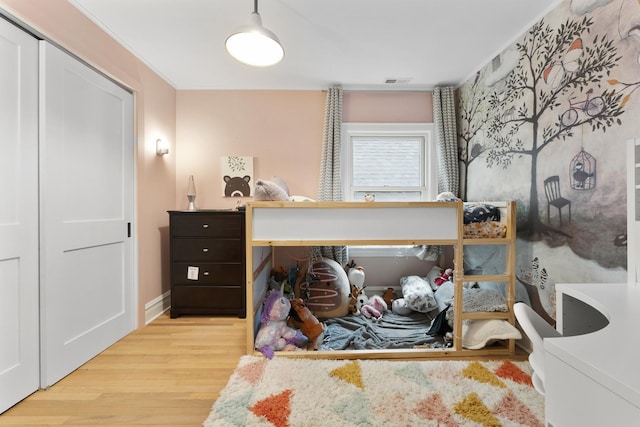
x,y
418,294
444,295
434,273
399,306
477,334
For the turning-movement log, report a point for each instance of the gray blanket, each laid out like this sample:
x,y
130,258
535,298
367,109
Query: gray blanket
x,y
361,333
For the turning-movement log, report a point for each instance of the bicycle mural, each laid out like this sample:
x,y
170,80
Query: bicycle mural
x,y
592,107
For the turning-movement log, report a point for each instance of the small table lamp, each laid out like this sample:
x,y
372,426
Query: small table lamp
x,y
191,194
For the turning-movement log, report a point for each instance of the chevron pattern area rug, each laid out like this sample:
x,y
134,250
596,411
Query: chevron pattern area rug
x,y
284,392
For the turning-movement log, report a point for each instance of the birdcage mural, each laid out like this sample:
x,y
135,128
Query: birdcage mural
x,y
583,171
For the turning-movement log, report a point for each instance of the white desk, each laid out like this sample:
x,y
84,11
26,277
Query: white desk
x,y
594,379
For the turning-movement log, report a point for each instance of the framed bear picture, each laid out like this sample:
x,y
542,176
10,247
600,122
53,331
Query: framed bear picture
x,y
237,176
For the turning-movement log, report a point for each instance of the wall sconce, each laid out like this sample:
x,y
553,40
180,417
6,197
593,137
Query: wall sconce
x,y
162,147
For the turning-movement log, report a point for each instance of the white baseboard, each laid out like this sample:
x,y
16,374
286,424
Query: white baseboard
x,y
154,308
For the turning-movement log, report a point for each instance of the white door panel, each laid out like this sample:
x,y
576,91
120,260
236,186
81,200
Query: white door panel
x,y
86,151
19,340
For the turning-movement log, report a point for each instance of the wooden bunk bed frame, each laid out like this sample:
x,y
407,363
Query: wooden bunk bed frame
x,y
272,224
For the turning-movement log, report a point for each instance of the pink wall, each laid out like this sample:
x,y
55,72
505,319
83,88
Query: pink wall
x,y
281,130
155,103
388,107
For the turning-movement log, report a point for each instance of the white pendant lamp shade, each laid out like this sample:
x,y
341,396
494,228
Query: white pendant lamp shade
x,y
255,45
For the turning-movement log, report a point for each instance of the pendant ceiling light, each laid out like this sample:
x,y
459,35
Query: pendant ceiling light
x,y
253,44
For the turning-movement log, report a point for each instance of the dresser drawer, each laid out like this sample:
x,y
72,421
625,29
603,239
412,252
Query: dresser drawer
x,y
208,273
208,250
206,225
212,242
209,297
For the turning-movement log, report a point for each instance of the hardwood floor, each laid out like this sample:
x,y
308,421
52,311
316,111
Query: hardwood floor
x,y
168,373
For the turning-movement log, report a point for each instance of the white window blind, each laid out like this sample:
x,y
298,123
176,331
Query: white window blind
x,y
396,162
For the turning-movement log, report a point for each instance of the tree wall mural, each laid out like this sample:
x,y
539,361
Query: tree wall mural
x,y
559,101
556,67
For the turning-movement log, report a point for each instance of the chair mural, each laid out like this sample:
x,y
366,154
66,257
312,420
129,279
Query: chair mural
x,y
554,197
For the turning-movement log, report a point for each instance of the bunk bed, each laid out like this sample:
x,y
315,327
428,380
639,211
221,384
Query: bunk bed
x,y
285,224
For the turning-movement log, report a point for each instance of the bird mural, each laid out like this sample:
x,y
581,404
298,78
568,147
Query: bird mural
x,y
580,175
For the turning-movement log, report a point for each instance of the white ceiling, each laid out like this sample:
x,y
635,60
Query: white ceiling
x,y
355,43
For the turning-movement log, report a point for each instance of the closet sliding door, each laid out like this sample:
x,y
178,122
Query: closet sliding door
x,y
19,350
86,188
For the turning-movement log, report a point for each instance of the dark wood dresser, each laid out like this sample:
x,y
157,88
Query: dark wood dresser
x,y
207,262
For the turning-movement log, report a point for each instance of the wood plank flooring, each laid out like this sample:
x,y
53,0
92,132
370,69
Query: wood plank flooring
x,y
168,373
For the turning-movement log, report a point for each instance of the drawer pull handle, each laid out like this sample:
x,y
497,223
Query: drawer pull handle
x,y
205,225
206,273
205,249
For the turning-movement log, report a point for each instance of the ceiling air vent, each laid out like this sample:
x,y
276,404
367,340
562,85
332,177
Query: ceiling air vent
x,y
397,80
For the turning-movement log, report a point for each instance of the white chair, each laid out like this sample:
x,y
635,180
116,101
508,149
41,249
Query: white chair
x,y
537,329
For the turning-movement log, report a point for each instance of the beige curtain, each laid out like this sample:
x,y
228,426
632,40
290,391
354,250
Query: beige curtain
x,y
330,186
444,122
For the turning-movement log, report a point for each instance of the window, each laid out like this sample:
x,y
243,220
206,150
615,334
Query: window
x,y
395,162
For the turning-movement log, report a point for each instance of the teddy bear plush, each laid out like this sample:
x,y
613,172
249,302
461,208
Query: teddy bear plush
x,y
302,318
274,333
389,295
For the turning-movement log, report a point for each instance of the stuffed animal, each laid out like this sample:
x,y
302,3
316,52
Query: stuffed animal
x,y
274,334
276,189
266,190
356,276
389,295
301,317
401,307
447,196
445,277
374,308
361,300
356,299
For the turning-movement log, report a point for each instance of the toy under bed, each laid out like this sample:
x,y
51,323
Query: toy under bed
x,y
395,331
